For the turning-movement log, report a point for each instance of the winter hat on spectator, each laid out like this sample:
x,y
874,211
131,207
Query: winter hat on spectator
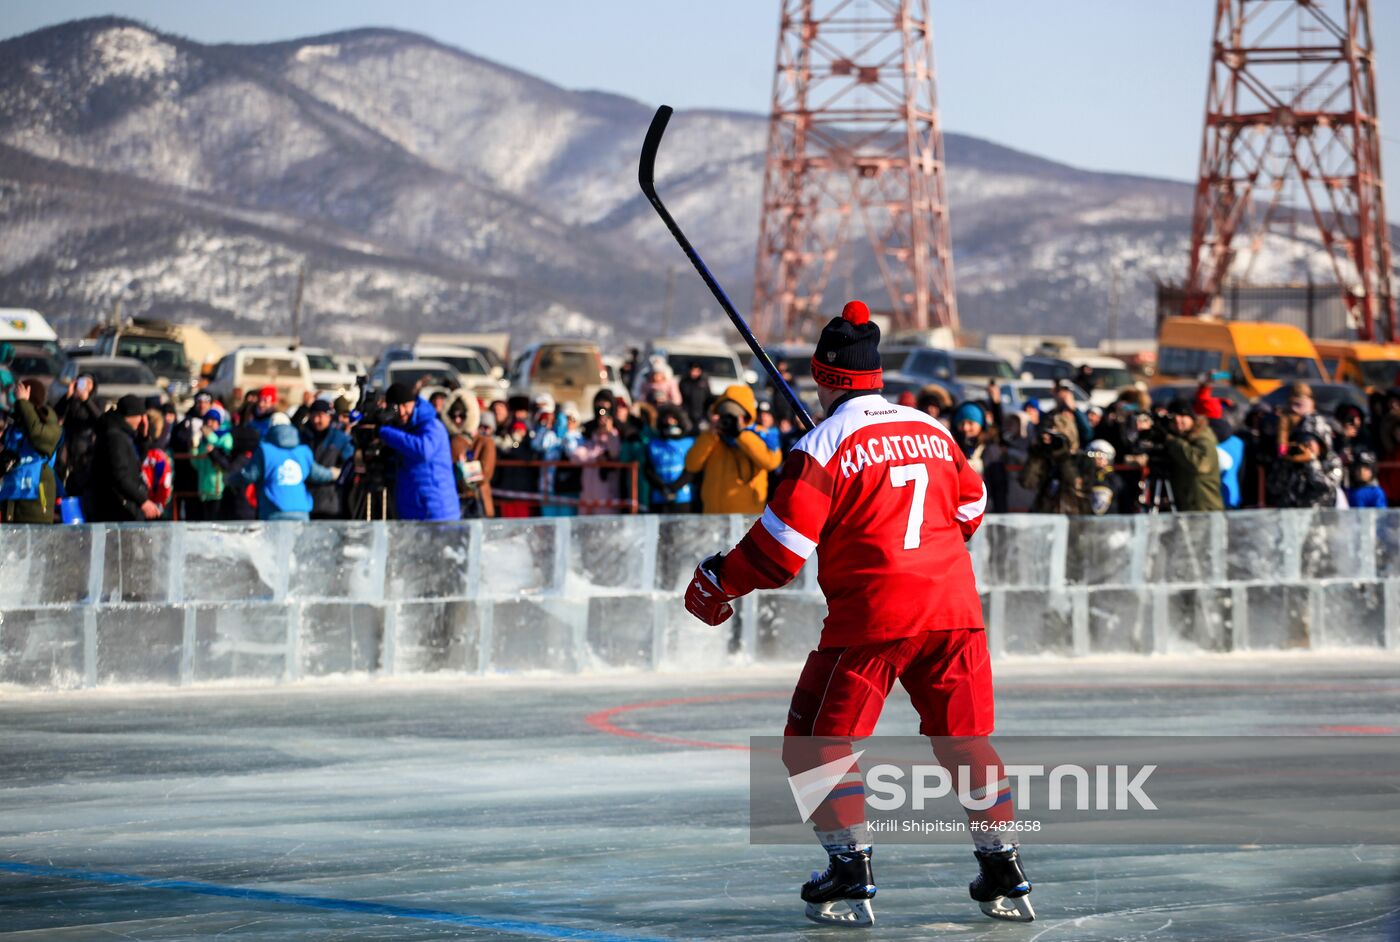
x,y
848,351
969,412
907,398
571,410
603,401
1100,447
341,405
738,399
129,406
1179,406
214,417
397,394
268,392
279,418
319,406
204,395
544,402
1207,405
934,395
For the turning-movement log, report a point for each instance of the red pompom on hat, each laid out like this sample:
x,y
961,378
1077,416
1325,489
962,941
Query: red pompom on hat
x,y
848,351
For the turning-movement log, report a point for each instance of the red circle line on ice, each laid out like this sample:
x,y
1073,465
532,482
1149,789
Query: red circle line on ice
x,y
602,720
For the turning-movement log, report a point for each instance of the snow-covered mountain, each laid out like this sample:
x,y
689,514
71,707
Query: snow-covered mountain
x,y
424,188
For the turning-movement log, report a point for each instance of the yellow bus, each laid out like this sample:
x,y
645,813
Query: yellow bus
x,y
1368,365
1257,357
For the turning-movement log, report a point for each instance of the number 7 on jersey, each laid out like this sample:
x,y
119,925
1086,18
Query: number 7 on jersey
x,y
901,475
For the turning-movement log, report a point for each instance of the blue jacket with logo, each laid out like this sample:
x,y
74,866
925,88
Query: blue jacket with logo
x,y
281,468
425,488
667,458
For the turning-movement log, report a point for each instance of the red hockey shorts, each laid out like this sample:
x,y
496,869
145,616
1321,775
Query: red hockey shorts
x,y
948,675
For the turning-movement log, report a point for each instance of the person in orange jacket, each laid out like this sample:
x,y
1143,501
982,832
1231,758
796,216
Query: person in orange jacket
x,y
732,456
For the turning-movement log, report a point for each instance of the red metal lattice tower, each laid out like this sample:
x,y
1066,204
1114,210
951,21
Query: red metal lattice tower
x,y
854,140
1292,137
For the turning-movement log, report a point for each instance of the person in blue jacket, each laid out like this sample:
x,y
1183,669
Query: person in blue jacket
x,y
666,461
424,488
281,468
1364,491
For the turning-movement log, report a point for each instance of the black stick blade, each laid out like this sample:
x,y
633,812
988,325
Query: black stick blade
x,y
646,169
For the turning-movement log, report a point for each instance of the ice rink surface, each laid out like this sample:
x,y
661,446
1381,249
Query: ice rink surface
x,y
610,807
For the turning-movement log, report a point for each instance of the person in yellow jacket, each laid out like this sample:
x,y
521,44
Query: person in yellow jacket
x,y
733,458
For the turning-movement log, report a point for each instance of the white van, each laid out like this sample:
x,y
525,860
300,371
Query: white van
x,y
1110,373
21,325
721,365
249,369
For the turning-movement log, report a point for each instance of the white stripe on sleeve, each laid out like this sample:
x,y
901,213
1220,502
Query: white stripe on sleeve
x,y
798,544
972,511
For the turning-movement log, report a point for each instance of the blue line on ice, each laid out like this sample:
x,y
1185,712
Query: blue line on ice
x,y
541,930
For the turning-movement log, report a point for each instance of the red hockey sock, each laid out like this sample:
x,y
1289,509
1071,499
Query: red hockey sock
x,y
982,788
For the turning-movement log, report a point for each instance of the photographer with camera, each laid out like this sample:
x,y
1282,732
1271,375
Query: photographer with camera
x,y
425,485
1056,470
1191,455
734,459
27,452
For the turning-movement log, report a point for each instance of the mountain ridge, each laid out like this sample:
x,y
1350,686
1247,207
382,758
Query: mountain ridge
x,y
425,187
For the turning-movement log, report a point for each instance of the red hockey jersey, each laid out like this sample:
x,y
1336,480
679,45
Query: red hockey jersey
x,y
884,496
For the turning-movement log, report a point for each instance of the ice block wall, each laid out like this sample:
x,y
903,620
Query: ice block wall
x,y
180,604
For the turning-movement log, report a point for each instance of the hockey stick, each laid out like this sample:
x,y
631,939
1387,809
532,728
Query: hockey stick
x,y
645,173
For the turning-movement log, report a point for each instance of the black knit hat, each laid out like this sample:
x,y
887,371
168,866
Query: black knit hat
x,y
398,394
848,352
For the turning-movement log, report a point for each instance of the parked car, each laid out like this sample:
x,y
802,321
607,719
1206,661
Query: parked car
x,y
329,376
569,370
1110,373
1370,366
613,366
720,364
114,377
1257,357
35,361
21,325
473,370
421,375
80,348
958,370
157,344
251,368
356,365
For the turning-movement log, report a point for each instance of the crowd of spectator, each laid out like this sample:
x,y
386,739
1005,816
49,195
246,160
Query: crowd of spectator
x,y
675,449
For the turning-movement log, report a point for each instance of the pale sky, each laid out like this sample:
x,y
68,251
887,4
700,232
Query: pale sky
x,y
1099,84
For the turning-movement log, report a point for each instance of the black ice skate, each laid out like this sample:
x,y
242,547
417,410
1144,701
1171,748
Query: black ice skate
x,y
841,896
1001,889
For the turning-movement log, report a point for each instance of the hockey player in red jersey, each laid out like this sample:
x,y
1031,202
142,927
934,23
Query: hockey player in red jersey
x,y
884,497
